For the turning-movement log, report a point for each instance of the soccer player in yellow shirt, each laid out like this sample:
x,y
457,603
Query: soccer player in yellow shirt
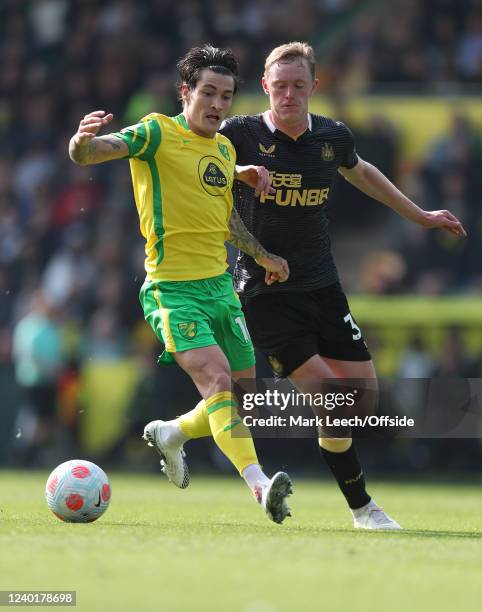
x,y
182,174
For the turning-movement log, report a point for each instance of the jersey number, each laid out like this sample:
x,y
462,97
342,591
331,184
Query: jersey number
x,y
355,329
242,325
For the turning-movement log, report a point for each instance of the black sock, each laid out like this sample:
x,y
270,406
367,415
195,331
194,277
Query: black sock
x,y
348,473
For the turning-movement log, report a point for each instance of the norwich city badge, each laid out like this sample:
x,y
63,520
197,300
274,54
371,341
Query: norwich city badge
x,y
188,330
224,151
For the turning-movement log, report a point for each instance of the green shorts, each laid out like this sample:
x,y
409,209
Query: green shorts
x,y
192,314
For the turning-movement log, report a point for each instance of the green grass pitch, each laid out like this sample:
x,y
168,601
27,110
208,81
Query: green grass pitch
x,y
211,548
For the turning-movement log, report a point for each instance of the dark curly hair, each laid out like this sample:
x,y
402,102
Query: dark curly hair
x,y
197,59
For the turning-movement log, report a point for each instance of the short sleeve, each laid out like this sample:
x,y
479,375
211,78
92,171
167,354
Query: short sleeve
x,y
142,139
349,157
231,129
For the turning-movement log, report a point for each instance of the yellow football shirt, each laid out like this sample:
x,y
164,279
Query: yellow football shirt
x,y
182,187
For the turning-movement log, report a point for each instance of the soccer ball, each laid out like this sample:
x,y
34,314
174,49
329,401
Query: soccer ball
x,y
78,491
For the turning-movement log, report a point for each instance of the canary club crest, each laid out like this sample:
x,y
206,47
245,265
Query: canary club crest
x,y
327,152
188,330
224,151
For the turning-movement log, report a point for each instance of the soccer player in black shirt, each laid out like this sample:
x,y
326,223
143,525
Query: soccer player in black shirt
x,y
304,326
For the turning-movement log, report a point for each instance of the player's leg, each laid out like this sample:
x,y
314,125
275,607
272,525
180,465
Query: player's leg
x,y
229,327
274,494
340,453
231,333
195,424
209,369
270,493
172,313
291,329
181,316
368,515
210,372
343,349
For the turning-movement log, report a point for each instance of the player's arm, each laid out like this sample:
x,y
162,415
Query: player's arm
x,y
86,147
276,267
375,184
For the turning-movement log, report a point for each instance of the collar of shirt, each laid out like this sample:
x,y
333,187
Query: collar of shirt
x,y
271,125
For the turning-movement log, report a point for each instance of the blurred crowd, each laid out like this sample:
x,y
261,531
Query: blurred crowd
x,y
108,49
409,258
71,258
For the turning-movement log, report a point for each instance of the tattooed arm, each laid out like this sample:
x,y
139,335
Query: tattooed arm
x,y
86,147
276,267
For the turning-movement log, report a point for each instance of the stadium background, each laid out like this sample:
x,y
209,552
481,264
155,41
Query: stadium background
x,y
77,362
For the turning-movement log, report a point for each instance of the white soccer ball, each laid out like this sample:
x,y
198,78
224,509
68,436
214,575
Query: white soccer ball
x,y
78,491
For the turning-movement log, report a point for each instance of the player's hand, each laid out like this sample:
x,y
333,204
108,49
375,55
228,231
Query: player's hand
x,y
443,219
257,177
90,125
277,269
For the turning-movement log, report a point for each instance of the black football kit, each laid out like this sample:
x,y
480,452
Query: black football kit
x,y
308,314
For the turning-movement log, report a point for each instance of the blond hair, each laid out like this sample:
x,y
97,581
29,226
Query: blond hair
x,y
288,53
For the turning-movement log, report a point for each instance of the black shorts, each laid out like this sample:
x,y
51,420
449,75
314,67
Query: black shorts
x,y
289,328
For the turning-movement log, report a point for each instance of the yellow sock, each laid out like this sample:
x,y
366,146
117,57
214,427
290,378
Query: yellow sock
x,y
223,419
195,424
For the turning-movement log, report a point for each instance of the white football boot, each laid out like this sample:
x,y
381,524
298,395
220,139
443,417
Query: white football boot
x,y
272,497
173,463
372,516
